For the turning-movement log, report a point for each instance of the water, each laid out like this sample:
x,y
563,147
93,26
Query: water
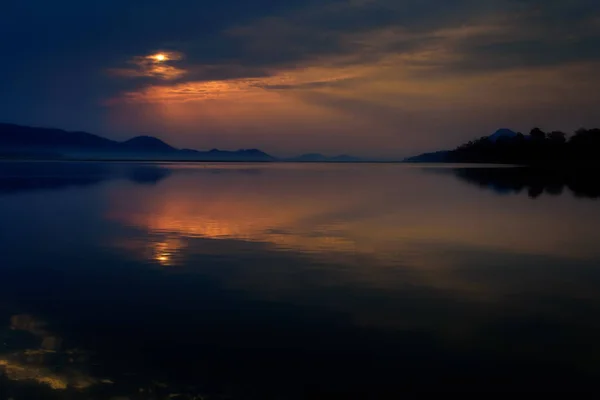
x,y
290,281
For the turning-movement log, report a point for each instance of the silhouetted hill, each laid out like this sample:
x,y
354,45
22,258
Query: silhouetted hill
x,y
502,134
316,157
16,138
147,144
537,148
344,158
22,142
248,155
311,157
435,157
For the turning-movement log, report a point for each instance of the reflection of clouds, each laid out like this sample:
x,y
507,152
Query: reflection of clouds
x,y
206,226
52,369
17,371
25,322
400,238
237,212
327,217
46,365
165,252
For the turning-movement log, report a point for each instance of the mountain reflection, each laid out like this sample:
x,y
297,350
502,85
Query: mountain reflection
x,y
17,177
534,182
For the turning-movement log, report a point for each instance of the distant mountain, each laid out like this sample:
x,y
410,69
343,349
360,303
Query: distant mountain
x,y
435,157
16,138
224,155
312,157
345,158
147,144
502,133
27,142
316,157
446,155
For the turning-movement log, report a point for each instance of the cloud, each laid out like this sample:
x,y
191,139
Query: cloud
x,y
153,66
465,37
309,77
413,71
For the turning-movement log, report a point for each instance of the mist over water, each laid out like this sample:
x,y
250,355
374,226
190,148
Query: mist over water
x,y
293,281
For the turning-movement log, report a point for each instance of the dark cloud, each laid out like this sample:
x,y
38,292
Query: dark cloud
x,y
525,33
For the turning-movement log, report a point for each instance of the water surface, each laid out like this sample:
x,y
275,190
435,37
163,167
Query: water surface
x,y
294,281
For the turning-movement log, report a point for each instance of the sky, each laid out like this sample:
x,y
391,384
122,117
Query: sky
x,y
377,78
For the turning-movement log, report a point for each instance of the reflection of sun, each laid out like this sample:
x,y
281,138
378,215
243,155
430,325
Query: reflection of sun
x,y
164,251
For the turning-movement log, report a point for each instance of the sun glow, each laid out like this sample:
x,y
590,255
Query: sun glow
x,y
165,252
160,57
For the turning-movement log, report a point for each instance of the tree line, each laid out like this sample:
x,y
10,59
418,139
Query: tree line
x,y
536,148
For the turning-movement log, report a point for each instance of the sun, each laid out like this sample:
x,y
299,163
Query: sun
x,y
160,57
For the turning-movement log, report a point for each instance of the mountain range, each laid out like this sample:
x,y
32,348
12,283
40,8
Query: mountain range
x,y
502,134
316,157
18,141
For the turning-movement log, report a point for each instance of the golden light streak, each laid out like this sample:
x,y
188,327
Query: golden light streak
x,y
32,364
18,372
239,89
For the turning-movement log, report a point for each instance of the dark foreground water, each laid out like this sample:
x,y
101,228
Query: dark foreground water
x,y
264,281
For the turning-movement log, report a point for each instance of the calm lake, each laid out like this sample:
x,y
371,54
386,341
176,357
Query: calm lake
x,y
294,281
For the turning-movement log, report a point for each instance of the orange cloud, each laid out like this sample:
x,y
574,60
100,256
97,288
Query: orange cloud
x,y
309,77
153,66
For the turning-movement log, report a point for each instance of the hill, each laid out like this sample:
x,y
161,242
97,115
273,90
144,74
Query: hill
x,y
537,148
16,138
502,134
147,144
435,157
23,142
316,157
249,155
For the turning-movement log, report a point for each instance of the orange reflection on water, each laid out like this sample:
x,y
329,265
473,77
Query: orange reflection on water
x,y
34,365
285,221
387,228
165,252
387,213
